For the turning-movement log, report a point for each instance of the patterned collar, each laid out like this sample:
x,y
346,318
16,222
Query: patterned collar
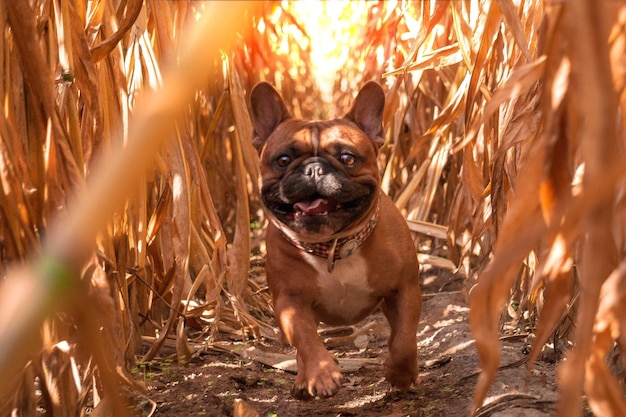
x,y
338,248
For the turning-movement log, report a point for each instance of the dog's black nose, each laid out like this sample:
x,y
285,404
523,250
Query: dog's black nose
x,y
314,169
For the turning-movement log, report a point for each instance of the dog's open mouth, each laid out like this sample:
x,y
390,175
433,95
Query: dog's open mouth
x,y
316,213
316,207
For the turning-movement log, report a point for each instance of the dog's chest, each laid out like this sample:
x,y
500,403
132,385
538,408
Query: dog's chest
x,y
345,295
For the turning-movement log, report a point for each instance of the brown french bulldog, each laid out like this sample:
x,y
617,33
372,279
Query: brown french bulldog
x,y
337,247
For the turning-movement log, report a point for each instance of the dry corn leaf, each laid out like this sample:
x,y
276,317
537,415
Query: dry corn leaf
x,y
512,18
556,293
520,231
592,85
520,80
605,395
471,175
131,12
446,56
488,35
462,32
238,254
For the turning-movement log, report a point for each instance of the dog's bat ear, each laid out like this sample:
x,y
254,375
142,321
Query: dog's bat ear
x,y
268,111
367,111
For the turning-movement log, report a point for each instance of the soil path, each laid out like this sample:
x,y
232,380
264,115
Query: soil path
x,y
223,383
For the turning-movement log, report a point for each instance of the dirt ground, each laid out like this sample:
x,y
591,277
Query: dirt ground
x,y
231,380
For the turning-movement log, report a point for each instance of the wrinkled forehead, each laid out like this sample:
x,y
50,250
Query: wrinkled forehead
x,y
319,133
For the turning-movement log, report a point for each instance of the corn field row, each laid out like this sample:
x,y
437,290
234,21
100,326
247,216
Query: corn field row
x,y
129,211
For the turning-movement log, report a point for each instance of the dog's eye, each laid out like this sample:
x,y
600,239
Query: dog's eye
x,y
347,158
283,160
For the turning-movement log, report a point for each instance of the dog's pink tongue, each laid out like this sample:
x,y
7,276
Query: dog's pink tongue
x,y
317,206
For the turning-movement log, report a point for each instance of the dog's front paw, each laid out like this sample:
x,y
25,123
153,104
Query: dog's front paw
x,y
401,377
321,379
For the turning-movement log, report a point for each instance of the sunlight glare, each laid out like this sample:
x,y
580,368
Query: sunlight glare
x,y
333,27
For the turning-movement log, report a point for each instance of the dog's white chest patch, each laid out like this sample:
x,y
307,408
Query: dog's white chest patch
x,y
344,293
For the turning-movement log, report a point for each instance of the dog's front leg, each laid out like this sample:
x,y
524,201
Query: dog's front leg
x,y
402,309
318,372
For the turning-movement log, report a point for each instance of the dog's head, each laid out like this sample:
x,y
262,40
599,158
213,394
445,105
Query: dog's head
x,y
318,178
